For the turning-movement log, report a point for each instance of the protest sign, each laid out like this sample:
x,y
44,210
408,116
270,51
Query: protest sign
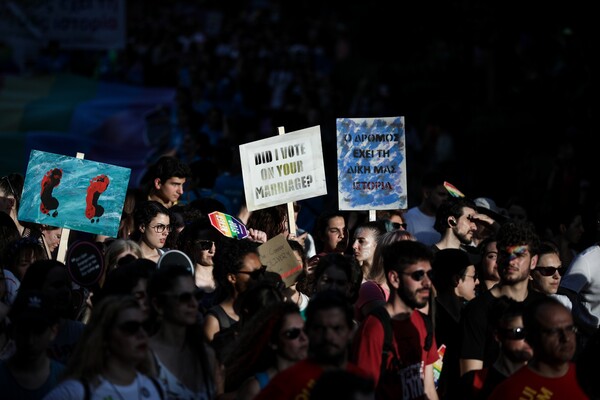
x,y
279,257
228,225
371,163
85,263
283,168
73,193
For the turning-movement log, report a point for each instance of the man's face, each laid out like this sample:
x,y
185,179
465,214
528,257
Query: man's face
x,y
415,284
515,264
556,336
489,263
465,227
512,341
329,336
169,191
436,196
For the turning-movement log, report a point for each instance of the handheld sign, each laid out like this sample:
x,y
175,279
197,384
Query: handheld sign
x,y
74,193
283,169
279,257
371,163
85,263
228,225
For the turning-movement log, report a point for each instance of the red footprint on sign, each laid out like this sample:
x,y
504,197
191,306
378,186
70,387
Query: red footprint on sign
x,y
49,182
97,186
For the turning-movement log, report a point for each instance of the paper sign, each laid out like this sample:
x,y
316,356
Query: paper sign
x,y
371,163
85,263
283,169
228,225
279,257
73,193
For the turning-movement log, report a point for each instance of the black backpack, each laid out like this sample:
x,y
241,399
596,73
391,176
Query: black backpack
x,y
384,317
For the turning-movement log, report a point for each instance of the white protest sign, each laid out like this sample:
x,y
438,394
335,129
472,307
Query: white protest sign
x,y
283,168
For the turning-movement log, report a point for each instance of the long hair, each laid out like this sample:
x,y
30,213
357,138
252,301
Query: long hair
x,y
117,247
90,357
377,273
270,220
254,350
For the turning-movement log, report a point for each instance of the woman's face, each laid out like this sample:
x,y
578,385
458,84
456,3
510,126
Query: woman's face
x,y
489,263
334,234
52,238
364,245
155,233
292,342
127,340
181,306
334,278
140,294
206,249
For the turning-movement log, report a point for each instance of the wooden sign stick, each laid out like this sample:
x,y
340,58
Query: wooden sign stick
x,y
64,237
290,205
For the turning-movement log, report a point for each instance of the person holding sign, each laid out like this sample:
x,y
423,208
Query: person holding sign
x,y
153,223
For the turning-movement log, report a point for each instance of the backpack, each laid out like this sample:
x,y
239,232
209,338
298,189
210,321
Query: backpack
x,y
384,317
88,391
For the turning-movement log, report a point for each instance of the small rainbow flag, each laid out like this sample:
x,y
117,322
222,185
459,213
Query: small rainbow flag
x,y
454,192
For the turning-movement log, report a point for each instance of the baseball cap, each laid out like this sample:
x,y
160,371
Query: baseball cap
x,y
487,206
33,307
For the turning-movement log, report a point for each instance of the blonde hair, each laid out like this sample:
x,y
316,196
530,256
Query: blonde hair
x,y
118,247
377,273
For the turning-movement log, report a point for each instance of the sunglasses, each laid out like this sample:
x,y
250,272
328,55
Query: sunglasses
x,y
160,228
419,275
205,244
130,327
293,333
549,271
184,297
398,225
513,333
256,274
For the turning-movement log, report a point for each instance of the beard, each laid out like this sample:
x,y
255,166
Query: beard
x,y
411,299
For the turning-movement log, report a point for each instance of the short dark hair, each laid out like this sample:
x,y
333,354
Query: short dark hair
x,y
327,300
229,257
516,233
167,167
400,255
146,210
451,207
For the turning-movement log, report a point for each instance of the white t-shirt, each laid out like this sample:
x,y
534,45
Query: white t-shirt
x,y
421,226
71,389
583,277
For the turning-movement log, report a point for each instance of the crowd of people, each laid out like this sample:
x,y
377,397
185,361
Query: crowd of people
x,y
456,299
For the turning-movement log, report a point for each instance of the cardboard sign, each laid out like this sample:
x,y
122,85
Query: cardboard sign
x,y
279,257
228,225
74,193
283,169
85,263
371,163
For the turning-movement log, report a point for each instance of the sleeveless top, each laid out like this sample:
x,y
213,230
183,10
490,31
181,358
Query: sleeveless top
x,y
175,390
225,321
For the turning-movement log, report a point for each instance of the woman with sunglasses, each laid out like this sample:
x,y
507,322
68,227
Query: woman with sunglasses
x,y
198,240
184,364
272,341
111,358
153,224
546,275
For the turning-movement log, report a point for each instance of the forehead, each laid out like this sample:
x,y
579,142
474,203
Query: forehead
x,y
251,260
468,211
336,222
335,272
419,265
364,232
549,260
330,317
175,180
128,314
161,219
551,315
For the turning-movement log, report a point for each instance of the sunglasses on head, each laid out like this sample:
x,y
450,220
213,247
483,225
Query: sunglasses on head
x,y
256,274
419,275
549,271
205,244
130,327
512,333
291,334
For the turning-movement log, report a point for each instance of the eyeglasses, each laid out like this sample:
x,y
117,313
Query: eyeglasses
x,y
472,276
293,333
571,329
130,327
160,228
205,244
256,274
398,225
512,333
184,297
419,275
549,271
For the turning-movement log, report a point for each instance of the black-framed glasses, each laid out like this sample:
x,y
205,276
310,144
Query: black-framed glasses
x,y
256,274
183,297
549,270
398,225
292,333
205,244
512,333
160,228
419,275
564,331
130,327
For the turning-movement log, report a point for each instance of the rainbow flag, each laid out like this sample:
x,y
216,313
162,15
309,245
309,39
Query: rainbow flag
x,y
454,192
